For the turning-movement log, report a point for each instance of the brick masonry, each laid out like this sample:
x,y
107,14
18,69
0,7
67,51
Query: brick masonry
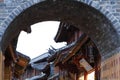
x,y
9,9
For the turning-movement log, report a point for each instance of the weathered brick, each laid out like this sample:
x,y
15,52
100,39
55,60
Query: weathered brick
x,y
2,18
116,6
116,14
3,15
118,2
118,10
114,21
113,2
2,5
110,9
3,11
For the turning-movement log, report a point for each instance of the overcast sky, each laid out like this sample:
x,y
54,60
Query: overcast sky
x,y
39,41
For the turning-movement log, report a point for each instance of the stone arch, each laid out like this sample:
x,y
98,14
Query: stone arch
x,y
88,16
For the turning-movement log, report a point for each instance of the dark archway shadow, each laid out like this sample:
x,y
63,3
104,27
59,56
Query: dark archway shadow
x,y
84,17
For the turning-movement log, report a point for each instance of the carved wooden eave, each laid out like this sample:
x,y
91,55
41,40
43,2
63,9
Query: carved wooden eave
x,y
85,57
16,61
65,32
10,60
59,51
21,64
52,58
60,57
12,53
23,60
80,42
61,30
64,56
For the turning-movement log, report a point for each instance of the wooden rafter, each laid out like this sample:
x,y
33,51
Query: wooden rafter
x,y
57,59
13,54
77,46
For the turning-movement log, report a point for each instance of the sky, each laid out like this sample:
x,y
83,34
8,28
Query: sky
x,y
39,40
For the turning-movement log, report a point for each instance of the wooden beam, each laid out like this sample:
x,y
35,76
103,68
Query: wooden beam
x,y
13,54
77,46
57,59
1,66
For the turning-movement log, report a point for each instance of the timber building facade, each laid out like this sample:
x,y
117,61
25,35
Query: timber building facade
x,y
38,68
15,63
78,61
97,19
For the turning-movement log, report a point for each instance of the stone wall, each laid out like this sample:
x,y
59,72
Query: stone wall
x,y
110,8
111,5
9,9
7,6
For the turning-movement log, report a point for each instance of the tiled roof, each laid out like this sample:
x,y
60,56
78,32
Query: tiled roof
x,y
22,55
45,55
40,66
37,77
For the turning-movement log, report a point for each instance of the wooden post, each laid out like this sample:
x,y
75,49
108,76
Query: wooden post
x,y
85,76
1,66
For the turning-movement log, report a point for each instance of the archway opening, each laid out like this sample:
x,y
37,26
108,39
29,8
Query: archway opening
x,y
39,40
82,16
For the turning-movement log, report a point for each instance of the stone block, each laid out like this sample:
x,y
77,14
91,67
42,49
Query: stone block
x,y
118,10
116,6
113,2
3,10
3,15
116,14
2,5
